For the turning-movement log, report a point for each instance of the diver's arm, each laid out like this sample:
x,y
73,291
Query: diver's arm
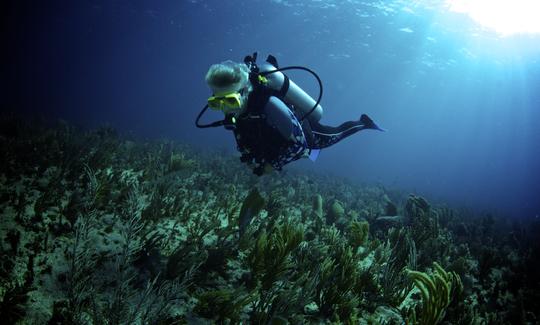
x,y
295,95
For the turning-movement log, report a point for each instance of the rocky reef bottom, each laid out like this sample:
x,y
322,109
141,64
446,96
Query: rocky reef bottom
x,y
98,228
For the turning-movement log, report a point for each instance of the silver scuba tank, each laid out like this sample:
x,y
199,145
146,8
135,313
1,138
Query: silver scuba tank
x,y
295,96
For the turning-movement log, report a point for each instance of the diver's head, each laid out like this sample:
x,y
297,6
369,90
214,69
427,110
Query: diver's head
x,y
229,82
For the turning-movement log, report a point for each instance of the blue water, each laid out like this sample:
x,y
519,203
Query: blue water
x,y
461,104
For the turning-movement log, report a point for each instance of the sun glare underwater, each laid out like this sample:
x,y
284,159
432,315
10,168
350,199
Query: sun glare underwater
x,y
117,207
505,17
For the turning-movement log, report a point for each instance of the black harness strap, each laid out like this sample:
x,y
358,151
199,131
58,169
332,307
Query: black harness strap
x,y
284,88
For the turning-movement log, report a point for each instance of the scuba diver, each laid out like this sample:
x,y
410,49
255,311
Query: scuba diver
x,y
273,120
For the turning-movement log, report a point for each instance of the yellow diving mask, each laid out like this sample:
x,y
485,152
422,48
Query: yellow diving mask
x,y
225,102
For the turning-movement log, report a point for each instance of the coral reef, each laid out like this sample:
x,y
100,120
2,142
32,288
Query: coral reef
x,y
98,228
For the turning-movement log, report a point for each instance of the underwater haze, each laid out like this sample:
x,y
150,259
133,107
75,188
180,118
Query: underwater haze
x,y
460,101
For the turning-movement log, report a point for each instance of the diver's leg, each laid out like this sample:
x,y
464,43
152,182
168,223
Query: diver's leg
x,y
324,136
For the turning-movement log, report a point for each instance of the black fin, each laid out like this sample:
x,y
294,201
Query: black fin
x,y
368,123
272,60
366,120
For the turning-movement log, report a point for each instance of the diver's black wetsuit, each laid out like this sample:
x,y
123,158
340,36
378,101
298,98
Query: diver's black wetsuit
x,y
320,136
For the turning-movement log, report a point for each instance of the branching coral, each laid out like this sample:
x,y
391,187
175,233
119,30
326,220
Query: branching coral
x,y
14,292
336,214
271,263
179,161
359,233
393,278
269,259
82,265
437,291
337,279
160,213
318,206
224,305
423,220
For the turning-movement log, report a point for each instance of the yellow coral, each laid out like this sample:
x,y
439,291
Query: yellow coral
x,y
437,292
